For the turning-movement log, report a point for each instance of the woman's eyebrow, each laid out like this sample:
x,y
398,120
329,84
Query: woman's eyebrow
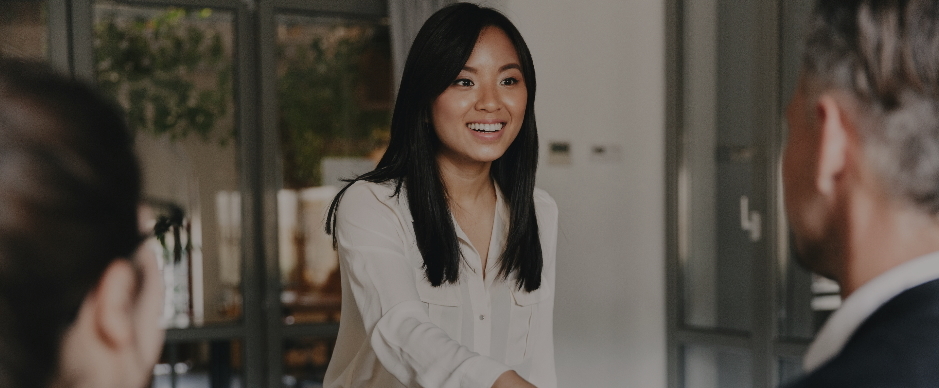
x,y
501,69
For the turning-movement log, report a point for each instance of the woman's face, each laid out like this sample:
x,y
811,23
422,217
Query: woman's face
x,y
479,115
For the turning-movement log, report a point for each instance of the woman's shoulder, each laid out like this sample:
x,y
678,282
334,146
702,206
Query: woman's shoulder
x,y
365,190
364,195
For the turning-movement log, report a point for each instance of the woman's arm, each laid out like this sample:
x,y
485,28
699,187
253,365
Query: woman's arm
x,y
373,247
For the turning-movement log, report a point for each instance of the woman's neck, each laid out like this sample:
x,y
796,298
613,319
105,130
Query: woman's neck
x,y
471,196
465,182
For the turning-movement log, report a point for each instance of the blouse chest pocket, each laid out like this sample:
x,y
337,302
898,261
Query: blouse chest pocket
x,y
442,305
524,323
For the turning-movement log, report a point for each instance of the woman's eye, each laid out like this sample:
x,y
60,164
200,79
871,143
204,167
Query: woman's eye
x,y
463,82
510,81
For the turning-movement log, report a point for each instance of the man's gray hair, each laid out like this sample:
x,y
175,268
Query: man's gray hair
x,y
886,54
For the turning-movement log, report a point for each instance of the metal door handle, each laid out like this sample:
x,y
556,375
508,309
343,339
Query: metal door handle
x,y
750,220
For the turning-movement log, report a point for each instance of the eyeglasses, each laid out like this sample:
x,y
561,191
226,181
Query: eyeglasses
x,y
170,219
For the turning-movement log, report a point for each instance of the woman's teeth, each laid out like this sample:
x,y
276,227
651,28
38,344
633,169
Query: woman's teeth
x,y
479,127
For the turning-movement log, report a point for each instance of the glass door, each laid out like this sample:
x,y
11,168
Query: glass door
x,y
740,311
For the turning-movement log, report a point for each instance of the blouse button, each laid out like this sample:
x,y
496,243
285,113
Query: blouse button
x,y
482,317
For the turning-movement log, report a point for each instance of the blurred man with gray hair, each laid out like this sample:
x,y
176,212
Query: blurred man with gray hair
x,y
861,175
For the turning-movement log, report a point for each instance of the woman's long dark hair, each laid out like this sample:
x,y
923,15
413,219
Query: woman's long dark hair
x,y
438,54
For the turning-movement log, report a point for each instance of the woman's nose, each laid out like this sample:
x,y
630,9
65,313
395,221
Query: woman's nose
x,y
488,99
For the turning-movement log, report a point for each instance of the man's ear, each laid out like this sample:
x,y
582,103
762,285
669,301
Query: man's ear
x,y
113,301
836,132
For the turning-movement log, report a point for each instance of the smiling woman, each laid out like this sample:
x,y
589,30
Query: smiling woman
x,y
478,116
447,250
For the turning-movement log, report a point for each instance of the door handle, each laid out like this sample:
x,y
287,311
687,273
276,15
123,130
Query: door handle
x,y
750,220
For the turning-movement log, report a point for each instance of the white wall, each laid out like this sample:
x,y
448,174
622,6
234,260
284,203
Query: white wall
x,y
601,81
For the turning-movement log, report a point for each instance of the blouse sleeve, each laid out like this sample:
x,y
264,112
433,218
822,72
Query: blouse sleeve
x,y
372,245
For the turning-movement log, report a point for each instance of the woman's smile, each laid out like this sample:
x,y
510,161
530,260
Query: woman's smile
x,y
486,128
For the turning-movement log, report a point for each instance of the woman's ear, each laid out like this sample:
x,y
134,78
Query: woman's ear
x,y
113,302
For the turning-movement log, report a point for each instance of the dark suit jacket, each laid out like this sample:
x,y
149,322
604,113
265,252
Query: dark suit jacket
x,y
896,347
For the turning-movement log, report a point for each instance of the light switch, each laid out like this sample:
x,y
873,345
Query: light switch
x,y
559,153
606,153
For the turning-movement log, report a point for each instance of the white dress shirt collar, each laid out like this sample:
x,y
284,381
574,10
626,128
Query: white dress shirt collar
x,y
863,302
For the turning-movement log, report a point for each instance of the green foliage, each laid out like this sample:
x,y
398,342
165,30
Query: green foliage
x,y
173,72
321,88
173,76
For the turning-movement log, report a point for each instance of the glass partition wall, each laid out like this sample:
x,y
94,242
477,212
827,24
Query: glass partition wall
x,y
247,116
741,312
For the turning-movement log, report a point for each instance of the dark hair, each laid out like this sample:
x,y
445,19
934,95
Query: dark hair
x,y
885,54
440,50
69,191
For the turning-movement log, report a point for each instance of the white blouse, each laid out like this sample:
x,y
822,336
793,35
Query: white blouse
x,y
396,330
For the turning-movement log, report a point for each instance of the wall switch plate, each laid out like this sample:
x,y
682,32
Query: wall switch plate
x,y
559,153
606,153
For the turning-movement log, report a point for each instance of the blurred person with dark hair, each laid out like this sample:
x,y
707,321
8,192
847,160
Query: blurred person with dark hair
x,y
80,299
861,174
